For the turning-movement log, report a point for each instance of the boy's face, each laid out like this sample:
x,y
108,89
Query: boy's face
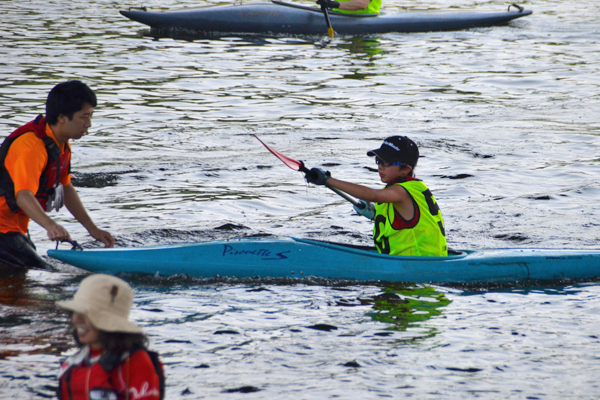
x,y
389,173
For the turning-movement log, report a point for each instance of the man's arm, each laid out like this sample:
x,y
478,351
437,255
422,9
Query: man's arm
x,y
74,205
30,206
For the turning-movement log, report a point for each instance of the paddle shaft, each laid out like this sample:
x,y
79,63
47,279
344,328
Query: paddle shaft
x,y
327,21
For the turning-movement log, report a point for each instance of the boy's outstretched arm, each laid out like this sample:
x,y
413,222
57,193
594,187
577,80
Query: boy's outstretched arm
x,y
391,194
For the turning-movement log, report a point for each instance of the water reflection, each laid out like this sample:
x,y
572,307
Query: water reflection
x,y
12,287
246,40
362,46
405,307
28,320
567,287
401,307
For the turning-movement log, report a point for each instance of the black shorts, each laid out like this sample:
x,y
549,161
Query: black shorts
x,y
17,251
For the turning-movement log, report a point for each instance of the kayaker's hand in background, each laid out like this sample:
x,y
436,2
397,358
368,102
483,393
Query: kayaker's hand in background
x,y
317,176
328,4
365,209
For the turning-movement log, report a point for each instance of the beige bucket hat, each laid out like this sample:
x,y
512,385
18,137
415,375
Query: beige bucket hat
x,y
106,300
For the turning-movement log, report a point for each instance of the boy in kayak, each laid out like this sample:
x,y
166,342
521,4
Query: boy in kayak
x,y
408,221
35,175
352,6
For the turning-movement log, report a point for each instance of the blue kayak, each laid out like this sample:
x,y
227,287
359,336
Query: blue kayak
x,y
279,18
292,257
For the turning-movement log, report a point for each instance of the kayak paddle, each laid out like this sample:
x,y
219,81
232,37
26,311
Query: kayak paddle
x,y
327,21
299,166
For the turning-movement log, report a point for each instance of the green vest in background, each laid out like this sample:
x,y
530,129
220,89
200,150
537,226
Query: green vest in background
x,y
426,238
372,8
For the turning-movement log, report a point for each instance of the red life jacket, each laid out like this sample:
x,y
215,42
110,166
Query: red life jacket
x,y
76,373
50,177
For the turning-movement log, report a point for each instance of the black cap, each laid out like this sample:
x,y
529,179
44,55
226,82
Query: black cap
x,y
397,149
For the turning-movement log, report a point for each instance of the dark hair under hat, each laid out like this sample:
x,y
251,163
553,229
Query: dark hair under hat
x,y
397,149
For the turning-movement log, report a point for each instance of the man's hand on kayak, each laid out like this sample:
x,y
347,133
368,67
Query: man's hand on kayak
x,y
328,4
103,236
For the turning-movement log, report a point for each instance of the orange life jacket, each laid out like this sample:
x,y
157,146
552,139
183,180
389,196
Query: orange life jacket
x,y
57,162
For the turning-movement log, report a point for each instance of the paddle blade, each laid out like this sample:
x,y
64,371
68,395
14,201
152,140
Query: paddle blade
x,y
299,166
290,162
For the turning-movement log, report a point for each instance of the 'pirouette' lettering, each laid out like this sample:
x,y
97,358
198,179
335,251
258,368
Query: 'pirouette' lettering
x,y
228,250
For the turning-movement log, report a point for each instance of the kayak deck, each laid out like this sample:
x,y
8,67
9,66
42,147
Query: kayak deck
x,y
292,257
280,18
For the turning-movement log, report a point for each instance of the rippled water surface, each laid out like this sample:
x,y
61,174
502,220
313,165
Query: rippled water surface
x,y
507,122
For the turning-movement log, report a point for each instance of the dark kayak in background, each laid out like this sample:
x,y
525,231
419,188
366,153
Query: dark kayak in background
x,y
279,18
296,258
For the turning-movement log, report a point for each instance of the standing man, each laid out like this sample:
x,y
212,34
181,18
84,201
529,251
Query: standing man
x,y
35,166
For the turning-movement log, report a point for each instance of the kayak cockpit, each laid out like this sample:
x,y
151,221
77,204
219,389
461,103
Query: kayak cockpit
x,y
316,9
452,254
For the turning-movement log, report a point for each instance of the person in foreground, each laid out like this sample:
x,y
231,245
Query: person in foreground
x,y
352,6
408,221
112,362
35,164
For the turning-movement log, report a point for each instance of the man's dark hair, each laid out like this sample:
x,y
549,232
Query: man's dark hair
x,y
66,99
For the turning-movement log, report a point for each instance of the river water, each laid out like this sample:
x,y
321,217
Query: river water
x,y
507,122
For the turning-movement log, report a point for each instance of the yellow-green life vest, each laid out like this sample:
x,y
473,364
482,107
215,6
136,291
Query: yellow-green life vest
x,y
372,8
425,235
